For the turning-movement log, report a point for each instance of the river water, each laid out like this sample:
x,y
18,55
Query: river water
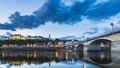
x,y
53,59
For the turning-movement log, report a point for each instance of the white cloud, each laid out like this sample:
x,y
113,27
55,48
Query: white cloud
x,y
101,1
70,2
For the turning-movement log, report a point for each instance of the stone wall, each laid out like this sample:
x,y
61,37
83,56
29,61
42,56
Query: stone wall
x,y
115,46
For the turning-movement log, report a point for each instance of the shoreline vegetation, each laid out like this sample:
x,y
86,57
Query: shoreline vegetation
x,y
29,41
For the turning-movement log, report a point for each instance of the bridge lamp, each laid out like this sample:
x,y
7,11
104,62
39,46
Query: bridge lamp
x,y
83,35
112,24
72,41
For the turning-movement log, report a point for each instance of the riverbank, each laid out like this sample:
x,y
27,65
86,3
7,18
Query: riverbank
x,y
32,48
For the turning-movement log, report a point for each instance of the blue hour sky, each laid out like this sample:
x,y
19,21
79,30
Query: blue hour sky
x,y
58,17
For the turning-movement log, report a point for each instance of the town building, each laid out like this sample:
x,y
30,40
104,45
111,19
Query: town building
x,y
34,37
17,37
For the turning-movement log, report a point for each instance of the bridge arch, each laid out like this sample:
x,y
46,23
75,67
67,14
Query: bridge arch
x,y
80,47
99,44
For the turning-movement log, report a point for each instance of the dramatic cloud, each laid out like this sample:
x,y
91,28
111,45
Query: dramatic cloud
x,y
57,11
18,21
26,21
104,10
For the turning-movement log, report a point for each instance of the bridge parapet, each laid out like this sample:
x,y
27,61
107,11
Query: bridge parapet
x,y
108,37
107,33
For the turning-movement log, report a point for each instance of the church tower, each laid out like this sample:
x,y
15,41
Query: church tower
x,y
50,37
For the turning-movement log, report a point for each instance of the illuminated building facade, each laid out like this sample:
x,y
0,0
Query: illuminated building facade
x,y
17,37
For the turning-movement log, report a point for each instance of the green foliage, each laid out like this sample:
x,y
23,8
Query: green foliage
x,y
30,41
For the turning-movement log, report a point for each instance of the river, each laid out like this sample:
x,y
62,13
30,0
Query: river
x,y
55,59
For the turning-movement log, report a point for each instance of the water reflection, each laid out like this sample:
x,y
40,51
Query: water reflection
x,y
57,59
18,58
100,57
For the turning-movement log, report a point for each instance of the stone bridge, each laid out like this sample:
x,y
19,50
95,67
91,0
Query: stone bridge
x,y
108,40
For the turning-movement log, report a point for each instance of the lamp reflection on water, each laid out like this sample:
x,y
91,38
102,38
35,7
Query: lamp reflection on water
x,y
3,54
73,57
66,55
102,55
35,54
56,55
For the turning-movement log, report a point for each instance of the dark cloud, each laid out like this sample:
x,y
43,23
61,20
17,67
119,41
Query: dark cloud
x,y
57,12
104,10
7,26
26,21
18,21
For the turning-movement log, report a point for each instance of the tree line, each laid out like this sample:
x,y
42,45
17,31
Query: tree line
x,y
29,41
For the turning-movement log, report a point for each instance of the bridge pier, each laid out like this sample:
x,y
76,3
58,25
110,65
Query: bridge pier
x,y
115,46
115,57
85,48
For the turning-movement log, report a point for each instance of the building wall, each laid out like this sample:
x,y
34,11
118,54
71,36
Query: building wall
x,y
17,37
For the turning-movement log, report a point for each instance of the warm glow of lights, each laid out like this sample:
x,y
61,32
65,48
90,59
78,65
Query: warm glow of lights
x,y
16,37
29,55
102,55
60,44
66,55
56,54
3,54
35,55
73,60
4,45
102,44
17,62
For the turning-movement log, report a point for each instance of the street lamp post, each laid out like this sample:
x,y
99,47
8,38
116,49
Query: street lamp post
x,y
112,24
83,35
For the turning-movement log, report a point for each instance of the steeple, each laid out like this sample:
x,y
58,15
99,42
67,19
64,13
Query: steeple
x,y
50,37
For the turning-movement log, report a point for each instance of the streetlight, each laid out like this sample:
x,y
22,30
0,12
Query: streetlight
x,y
83,35
73,41
112,24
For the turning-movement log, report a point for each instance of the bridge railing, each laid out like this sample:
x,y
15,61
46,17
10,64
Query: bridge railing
x,y
102,34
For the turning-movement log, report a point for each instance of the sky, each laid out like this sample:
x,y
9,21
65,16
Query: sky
x,y
59,18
